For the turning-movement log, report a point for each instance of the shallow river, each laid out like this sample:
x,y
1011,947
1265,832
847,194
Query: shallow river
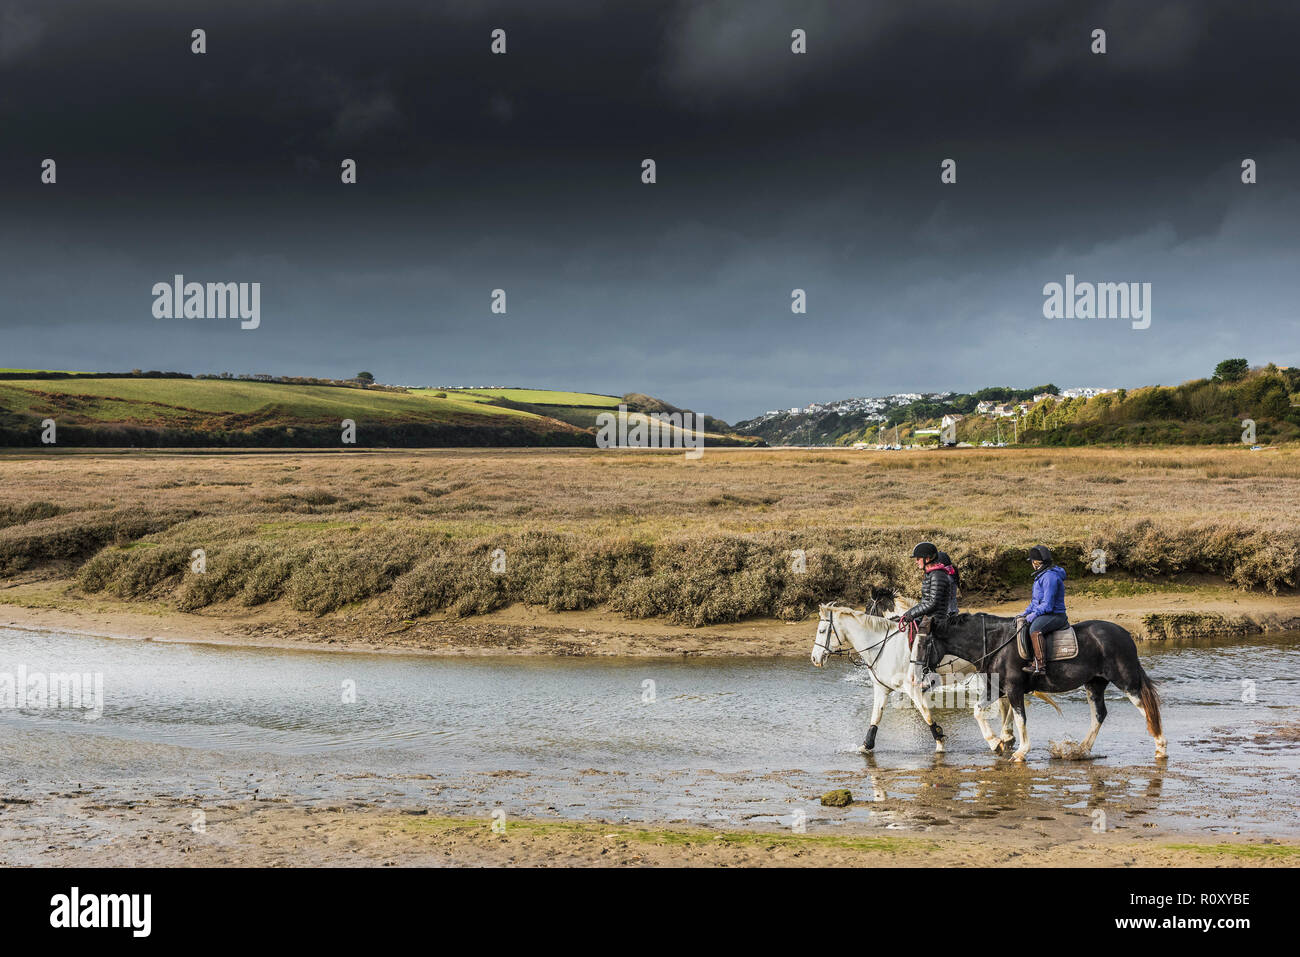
x,y
728,741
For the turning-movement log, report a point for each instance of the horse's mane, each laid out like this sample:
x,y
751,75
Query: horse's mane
x,y
844,609
858,614
886,597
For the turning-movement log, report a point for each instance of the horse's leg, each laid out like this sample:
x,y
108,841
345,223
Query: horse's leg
x,y
1016,692
1121,665
918,699
877,710
1004,709
1096,689
981,703
1162,746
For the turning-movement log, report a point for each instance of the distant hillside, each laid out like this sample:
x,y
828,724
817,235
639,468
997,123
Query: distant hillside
x,y
1199,412
176,410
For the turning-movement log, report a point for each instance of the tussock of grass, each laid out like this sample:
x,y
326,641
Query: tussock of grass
x,y
127,572
27,512
78,535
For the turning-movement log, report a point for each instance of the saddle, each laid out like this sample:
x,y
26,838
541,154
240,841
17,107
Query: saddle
x,y
1057,645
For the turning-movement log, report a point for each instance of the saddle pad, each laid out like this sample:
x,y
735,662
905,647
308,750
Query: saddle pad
x,y
1057,645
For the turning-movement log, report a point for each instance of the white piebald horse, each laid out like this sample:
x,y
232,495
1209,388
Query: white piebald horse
x,y
882,646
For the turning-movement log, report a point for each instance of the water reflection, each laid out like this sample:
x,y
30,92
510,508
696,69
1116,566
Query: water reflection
x,y
734,740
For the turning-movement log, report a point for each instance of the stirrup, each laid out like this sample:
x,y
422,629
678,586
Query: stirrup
x,y
1034,669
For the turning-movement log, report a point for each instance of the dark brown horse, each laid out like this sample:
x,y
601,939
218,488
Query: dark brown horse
x,y
1107,655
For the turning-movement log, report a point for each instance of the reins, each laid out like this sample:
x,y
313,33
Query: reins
x,y
984,641
984,644
861,653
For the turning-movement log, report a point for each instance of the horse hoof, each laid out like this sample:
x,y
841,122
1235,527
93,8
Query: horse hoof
x,y
1000,748
863,749
1019,756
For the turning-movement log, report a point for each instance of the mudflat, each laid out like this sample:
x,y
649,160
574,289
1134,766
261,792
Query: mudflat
x,y
156,833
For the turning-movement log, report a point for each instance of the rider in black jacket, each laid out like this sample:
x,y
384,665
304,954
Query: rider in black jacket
x,y
936,586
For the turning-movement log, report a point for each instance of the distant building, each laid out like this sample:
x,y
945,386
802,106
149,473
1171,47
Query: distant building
x,y
1083,393
985,408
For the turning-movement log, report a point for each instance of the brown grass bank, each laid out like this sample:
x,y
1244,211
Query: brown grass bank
x,y
739,535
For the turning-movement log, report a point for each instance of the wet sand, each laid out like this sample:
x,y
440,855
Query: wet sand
x,y
76,831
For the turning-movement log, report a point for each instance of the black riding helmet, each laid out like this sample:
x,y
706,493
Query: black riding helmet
x,y
925,550
1041,554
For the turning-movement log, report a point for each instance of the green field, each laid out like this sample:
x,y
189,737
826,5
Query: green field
x,y
150,400
160,411
543,397
155,410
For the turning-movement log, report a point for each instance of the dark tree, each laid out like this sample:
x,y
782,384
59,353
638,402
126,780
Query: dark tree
x,y
1231,370
365,377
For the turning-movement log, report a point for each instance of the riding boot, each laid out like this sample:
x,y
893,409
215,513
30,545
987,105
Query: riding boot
x,y
1039,666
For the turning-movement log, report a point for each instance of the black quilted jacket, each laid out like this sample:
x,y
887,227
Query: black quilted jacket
x,y
935,591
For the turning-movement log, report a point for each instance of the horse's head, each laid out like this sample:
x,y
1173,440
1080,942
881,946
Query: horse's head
x,y
829,639
883,601
927,652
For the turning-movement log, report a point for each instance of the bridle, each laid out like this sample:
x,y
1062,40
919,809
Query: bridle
x,y
853,651
985,654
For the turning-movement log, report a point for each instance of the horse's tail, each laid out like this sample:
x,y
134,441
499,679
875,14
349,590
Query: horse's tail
x,y
1151,705
1049,700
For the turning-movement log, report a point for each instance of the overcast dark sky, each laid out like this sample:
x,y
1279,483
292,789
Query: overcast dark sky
x,y
775,171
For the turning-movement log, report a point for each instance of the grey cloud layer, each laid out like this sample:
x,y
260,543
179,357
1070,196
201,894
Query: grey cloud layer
x,y
521,172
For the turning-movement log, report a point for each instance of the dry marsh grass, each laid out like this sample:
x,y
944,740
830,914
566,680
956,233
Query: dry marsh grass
x,y
647,534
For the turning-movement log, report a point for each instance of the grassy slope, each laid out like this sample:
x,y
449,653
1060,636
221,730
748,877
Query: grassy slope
x,y
161,400
232,407
162,411
542,397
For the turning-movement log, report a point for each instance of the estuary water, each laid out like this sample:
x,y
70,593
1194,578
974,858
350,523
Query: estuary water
x,y
728,741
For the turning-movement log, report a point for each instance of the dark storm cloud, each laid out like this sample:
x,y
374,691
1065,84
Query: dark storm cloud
x,y
775,171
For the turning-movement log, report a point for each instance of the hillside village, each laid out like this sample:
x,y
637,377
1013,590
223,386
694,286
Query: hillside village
x,y
876,408
1218,409
889,411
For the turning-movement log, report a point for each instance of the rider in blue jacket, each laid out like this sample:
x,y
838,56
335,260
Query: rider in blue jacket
x,y
1046,611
